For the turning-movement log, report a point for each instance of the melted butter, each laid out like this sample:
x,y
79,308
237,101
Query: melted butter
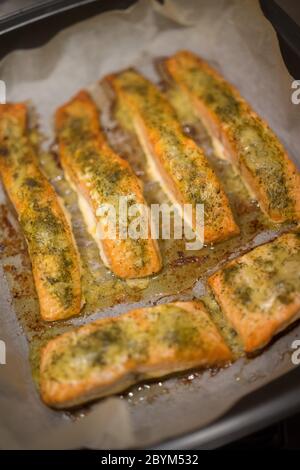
x,y
138,284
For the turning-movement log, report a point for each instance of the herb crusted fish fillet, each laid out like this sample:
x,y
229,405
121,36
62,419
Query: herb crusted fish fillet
x,y
259,292
176,161
109,355
100,177
53,253
239,135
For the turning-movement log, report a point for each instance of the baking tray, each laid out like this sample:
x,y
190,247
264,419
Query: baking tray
x,y
255,410
19,13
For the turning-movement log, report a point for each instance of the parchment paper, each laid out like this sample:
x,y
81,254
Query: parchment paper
x,y
235,37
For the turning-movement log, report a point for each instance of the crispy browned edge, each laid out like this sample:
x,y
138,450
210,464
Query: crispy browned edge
x,y
117,264
210,234
20,112
70,395
259,338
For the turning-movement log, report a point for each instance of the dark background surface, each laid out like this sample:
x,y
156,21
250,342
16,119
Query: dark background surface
x,y
42,24
284,435
41,31
285,17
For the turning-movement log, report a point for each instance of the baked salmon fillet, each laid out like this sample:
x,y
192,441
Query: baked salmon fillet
x,y
175,160
100,178
259,293
109,355
52,250
239,135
